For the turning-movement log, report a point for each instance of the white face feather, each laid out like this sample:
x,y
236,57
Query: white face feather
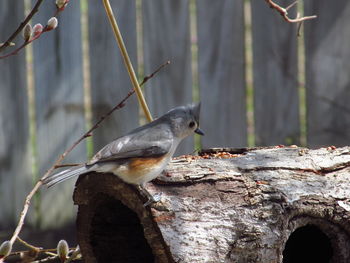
x,y
184,120
182,128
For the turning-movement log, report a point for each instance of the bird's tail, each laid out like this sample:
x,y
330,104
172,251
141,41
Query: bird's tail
x,y
64,175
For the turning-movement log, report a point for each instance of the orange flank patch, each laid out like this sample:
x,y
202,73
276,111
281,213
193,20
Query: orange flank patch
x,y
141,166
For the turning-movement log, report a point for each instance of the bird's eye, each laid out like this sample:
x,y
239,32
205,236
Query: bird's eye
x,y
191,124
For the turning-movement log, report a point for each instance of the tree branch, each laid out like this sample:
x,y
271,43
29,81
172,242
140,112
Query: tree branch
x,y
126,59
284,12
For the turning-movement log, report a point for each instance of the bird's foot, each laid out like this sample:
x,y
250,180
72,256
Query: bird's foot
x,y
153,199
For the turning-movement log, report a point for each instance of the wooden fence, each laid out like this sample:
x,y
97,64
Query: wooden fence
x,y
207,43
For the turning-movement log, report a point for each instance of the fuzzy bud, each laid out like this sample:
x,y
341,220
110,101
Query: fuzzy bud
x,y
52,23
27,32
61,3
62,250
37,30
5,249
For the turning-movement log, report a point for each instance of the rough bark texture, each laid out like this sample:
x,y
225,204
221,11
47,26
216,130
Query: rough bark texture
x,y
240,206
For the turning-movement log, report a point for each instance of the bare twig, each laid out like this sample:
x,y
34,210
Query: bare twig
x,y
67,165
47,251
27,244
48,259
146,78
51,254
61,157
21,25
299,26
284,12
126,59
291,5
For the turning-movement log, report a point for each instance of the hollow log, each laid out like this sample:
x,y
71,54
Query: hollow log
x,y
278,204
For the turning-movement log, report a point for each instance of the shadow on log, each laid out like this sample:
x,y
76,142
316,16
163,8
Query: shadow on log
x,y
244,205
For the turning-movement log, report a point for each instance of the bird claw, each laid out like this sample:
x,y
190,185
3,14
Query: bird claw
x,y
153,199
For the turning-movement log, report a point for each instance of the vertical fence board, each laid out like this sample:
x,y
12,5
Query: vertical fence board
x,y
59,105
15,171
327,41
166,36
110,81
222,72
276,103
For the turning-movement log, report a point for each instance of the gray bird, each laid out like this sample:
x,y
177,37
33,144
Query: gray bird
x,y
141,155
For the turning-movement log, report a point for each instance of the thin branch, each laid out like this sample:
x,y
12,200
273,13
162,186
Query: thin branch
x,y
284,12
62,156
51,254
146,78
28,245
299,26
126,59
291,5
47,251
67,165
22,25
48,259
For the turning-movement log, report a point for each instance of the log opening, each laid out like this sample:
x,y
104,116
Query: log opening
x,y
308,244
317,237
113,225
117,234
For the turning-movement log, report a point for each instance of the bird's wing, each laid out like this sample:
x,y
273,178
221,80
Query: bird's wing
x,y
153,142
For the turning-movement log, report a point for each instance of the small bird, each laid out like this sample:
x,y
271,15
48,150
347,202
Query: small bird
x,y
141,155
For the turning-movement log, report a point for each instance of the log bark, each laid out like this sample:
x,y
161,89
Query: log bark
x,y
228,205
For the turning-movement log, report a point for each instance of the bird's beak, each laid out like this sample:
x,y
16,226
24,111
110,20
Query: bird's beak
x,y
199,131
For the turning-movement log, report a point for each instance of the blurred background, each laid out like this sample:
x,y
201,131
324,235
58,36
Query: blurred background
x,y
259,84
